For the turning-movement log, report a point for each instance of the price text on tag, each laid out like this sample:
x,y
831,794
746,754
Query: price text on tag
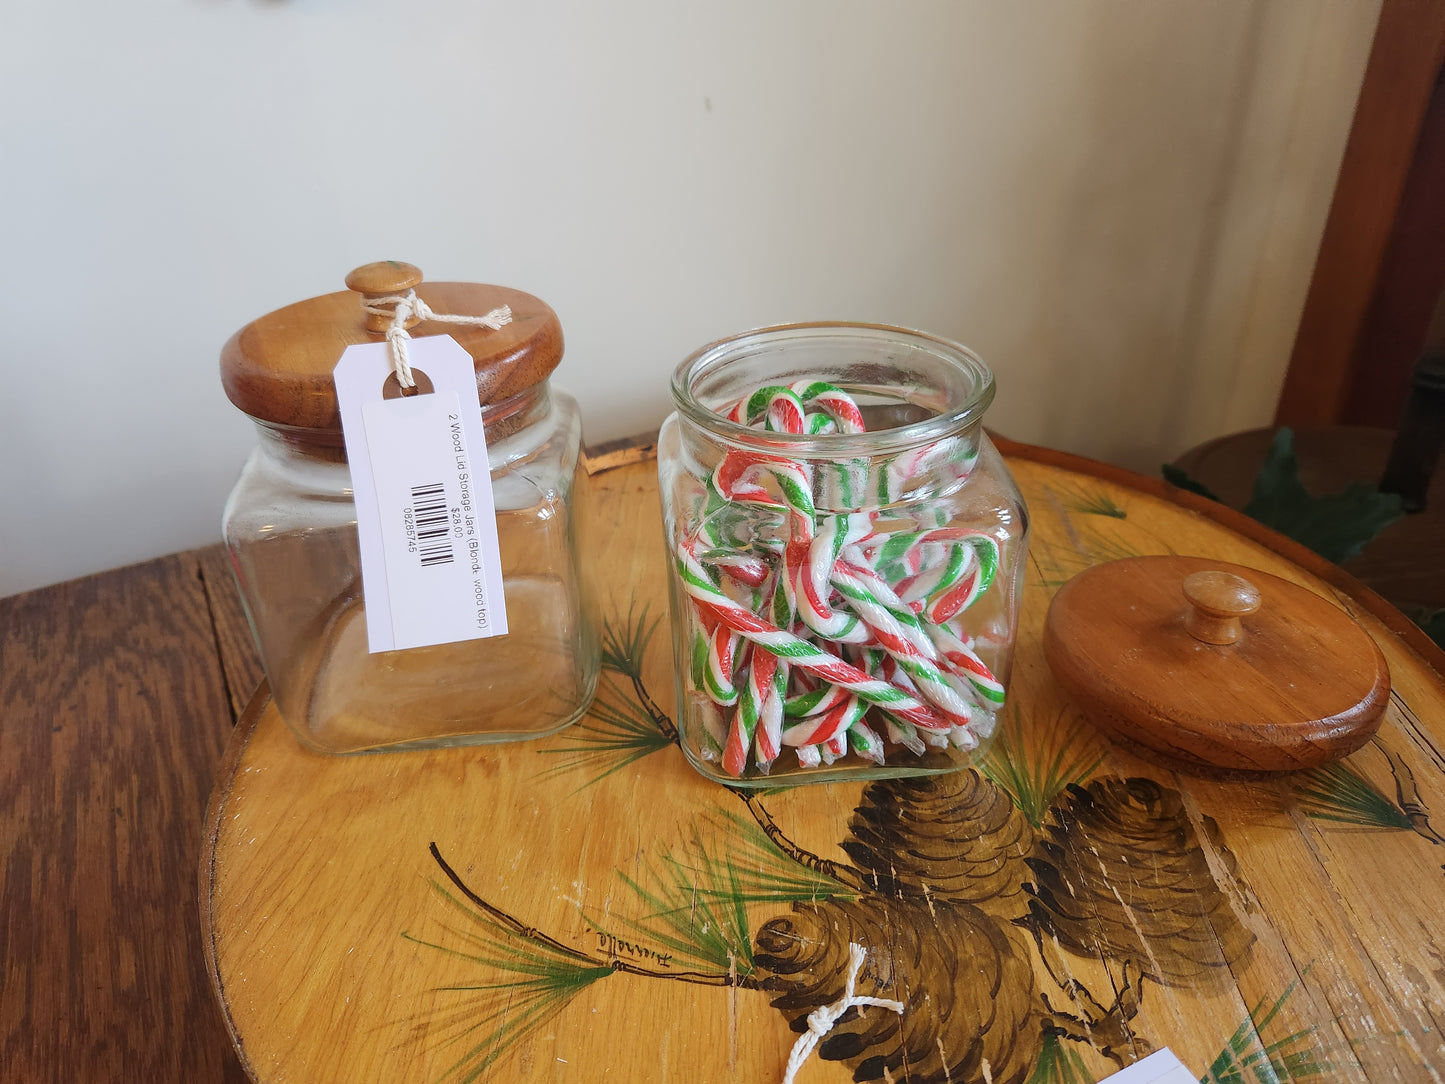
x,y
431,572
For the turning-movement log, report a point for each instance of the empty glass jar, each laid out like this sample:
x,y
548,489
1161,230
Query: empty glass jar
x,y
290,527
848,550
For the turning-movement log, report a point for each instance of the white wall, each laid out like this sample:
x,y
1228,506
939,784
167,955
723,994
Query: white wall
x,y
1117,202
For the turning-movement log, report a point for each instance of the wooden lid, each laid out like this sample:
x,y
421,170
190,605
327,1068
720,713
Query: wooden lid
x,y
278,368
1215,667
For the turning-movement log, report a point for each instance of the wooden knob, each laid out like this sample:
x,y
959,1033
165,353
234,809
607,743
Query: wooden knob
x,y
385,278
1219,600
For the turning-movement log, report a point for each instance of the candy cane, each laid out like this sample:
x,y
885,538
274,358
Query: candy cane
x,y
713,603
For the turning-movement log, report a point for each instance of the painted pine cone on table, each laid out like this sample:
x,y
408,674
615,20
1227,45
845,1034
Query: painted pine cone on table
x,y
965,978
1119,872
955,837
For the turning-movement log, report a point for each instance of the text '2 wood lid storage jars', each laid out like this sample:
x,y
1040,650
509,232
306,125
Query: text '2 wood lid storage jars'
x,y
292,528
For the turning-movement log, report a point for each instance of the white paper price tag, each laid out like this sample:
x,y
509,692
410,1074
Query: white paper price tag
x,y
1160,1067
431,572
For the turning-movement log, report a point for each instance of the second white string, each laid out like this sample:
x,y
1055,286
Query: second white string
x,y
821,1020
402,307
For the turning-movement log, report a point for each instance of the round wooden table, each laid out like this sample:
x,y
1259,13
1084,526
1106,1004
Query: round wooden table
x,y
588,908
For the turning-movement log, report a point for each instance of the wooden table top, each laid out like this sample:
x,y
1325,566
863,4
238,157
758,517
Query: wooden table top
x,y
529,944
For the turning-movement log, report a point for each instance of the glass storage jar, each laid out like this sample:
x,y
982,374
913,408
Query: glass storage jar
x,y
848,551
290,526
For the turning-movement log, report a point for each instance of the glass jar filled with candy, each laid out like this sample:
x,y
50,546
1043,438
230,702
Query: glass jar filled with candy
x,y
847,555
291,524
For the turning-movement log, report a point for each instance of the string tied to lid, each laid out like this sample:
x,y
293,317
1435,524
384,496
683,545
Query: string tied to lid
x,y
822,1019
408,308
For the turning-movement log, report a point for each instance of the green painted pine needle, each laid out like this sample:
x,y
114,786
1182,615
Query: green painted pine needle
x,y
1089,502
1059,1064
1034,772
524,983
616,732
1249,1058
1336,792
624,642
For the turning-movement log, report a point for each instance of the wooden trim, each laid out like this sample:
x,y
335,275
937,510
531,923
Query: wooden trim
x,y
611,454
1404,63
1414,637
1410,282
205,873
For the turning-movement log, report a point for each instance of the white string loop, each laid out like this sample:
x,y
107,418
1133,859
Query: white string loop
x,y
821,1020
402,307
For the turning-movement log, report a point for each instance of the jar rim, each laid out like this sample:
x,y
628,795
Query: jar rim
x,y
957,415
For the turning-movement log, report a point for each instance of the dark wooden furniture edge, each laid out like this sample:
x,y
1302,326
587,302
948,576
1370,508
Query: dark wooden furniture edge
x,y
1402,69
215,808
1411,633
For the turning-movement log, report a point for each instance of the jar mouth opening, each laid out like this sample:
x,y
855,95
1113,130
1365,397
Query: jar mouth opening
x,y
890,370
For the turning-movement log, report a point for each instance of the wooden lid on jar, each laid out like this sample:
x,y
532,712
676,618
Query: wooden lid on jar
x,y
1214,667
278,368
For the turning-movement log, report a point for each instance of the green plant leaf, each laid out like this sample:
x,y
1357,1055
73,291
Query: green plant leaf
x,y
1182,479
1337,526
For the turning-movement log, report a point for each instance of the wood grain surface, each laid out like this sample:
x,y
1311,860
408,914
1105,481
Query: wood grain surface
x,y
113,717
588,908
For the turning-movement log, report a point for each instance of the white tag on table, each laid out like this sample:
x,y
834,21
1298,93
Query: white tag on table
x,y
431,572
1160,1067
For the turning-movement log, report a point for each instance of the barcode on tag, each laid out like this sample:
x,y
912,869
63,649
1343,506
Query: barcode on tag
x,y
433,525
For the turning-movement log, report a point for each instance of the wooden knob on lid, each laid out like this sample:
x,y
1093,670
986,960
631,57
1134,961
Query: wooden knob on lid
x,y
386,278
1219,599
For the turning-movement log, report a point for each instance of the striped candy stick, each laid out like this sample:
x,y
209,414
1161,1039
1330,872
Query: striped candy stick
x,y
888,549
967,664
812,588
751,704
938,594
816,729
913,662
833,400
883,595
769,740
849,479
801,653
784,410
865,742
902,732
722,649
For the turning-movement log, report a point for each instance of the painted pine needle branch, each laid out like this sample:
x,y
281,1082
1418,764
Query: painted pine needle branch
x,y
1336,792
624,650
1033,773
1248,1055
616,732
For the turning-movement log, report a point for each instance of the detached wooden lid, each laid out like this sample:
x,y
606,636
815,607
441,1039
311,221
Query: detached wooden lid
x,y
1215,667
278,368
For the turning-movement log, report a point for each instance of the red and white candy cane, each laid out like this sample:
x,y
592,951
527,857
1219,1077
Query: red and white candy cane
x,y
713,602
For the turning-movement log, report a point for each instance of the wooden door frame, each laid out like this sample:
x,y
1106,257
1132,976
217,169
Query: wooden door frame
x,y
1401,77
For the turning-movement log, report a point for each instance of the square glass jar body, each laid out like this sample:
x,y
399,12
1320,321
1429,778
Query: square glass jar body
x,y
290,527
845,603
